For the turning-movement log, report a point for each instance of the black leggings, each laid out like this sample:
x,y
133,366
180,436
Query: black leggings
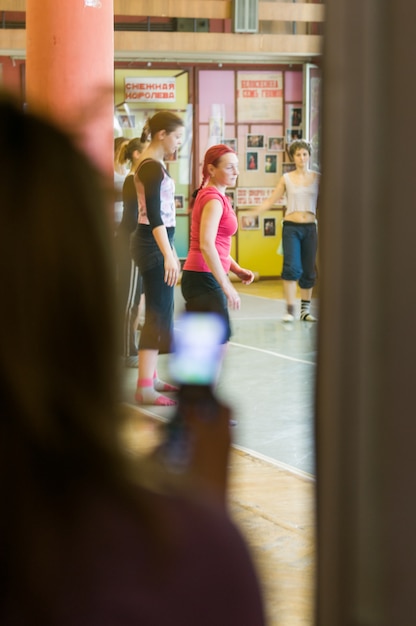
x,y
157,330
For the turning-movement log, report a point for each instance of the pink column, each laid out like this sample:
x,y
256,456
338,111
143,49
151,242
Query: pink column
x,y
70,69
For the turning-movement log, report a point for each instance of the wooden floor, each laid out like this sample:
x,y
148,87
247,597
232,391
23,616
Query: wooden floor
x,y
273,505
274,509
263,288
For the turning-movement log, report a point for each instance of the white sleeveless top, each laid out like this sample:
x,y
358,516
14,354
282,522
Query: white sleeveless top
x,y
300,197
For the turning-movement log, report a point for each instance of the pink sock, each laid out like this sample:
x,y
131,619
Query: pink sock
x,y
161,385
144,382
146,394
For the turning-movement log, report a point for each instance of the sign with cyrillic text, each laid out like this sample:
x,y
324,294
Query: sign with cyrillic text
x,y
155,89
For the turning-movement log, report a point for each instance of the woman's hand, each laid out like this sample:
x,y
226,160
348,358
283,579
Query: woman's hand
x,y
246,276
233,298
171,262
172,268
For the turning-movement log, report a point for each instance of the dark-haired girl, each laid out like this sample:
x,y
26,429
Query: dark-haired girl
x,y
154,252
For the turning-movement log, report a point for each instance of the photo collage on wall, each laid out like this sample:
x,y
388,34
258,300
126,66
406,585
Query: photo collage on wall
x,y
252,222
294,131
262,151
294,123
268,147
267,119
249,197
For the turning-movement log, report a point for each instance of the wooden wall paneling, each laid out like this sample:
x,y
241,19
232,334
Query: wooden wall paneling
x,y
235,44
209,9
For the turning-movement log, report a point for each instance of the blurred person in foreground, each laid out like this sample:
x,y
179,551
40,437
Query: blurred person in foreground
x,y
90,535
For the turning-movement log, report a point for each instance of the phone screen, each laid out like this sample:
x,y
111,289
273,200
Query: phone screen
x,y
197,348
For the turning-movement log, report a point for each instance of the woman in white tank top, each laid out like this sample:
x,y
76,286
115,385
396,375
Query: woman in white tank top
x,y
299,233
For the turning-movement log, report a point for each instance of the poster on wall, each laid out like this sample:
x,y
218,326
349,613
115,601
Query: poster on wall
x,y
216,124
150,89
252,196
260,96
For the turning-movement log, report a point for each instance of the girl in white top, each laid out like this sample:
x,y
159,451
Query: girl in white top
x,y
299,233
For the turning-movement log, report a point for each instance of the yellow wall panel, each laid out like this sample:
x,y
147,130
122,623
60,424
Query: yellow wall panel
x,y
256,251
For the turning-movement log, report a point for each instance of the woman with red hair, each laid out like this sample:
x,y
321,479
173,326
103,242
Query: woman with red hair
x,y
205,283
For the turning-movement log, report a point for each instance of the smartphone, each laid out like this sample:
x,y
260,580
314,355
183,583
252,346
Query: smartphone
x,y
198,347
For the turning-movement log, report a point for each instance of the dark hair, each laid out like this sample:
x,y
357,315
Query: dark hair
x,y
299,144
132,146
162,120
212,157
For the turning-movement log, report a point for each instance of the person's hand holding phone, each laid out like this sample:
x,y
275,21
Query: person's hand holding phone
x,y
198,436
209,434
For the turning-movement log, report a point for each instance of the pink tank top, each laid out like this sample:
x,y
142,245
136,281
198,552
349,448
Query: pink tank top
x,y
226,229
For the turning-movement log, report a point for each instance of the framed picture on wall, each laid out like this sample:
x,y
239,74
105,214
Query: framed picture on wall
x,y
287,167
230,196
249,222
126,121
269,227
270,163
295,115
255,141
293,133
252,161
231,143
179,203
276,143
